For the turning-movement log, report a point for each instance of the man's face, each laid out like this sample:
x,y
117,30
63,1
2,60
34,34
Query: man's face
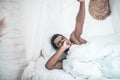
x,y
60,40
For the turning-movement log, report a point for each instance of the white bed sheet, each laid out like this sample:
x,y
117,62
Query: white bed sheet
x,y
97,59
41,73
37,71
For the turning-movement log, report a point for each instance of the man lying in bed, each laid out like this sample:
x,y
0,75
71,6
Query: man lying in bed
x,y
62,44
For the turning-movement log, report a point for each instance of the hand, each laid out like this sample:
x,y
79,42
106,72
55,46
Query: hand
x,y
82,41
66,45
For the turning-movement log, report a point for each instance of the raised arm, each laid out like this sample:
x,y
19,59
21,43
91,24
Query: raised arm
x,y
75,35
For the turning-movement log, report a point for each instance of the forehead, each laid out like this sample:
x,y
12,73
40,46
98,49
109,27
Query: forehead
x,y
58,38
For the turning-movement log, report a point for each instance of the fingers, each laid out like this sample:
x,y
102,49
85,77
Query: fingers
x,y
66,45
82,41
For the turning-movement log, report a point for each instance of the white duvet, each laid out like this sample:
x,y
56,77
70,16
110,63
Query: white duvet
x,y
98,59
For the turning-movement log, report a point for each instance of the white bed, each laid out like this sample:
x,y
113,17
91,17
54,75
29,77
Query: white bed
x,y
41,73
66,11
97,59
37,71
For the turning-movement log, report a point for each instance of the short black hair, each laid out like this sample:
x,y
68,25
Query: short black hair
x,y
52,40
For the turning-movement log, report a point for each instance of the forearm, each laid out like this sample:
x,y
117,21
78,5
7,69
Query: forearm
x,y
80,20
81,14
54,62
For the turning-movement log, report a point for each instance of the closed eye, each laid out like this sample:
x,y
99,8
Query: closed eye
x,y
60,43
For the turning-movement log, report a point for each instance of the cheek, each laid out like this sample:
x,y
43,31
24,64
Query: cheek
x,y
59,45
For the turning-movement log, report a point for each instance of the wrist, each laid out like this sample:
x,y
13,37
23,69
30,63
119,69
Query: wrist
x,y
62,49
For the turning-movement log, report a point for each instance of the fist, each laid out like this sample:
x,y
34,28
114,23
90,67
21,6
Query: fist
x,y
66,44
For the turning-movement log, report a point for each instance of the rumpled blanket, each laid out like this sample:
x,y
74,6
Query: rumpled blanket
x,y
96,59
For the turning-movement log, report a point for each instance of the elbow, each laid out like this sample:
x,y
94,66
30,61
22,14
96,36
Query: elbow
x,y
49,67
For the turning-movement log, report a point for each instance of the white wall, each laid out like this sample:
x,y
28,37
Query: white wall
x,y
60,16
115,16
39,34
31,9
